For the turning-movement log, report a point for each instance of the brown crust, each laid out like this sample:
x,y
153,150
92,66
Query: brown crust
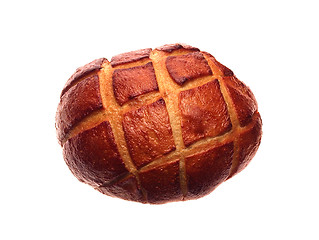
x,y
233,82
176,46
187,67
93,155
148,133
126,188
225,70
206,170
248,143
129,83
130,57
80,101
82,72
162,183
245,107
156,142
203,112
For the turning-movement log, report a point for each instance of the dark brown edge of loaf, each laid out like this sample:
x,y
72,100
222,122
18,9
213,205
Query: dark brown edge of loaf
x,y
225,70
82,72
129,57
172,47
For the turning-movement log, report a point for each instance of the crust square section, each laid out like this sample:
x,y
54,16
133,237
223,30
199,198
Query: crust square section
x,y
82,72
187,67
129,83
148,133
80,101
245,106
203,112
126,188
94,155
248,143
206,170
162,183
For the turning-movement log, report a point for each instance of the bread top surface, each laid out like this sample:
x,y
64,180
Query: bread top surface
x,y
83,71
158,108
131,82
130,57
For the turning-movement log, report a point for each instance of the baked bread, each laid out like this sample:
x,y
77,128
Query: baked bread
x,y
155,126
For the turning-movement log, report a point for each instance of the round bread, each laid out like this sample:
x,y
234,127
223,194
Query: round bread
x,y
155,126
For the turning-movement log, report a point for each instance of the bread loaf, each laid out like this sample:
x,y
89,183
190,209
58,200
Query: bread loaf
x,y
155,126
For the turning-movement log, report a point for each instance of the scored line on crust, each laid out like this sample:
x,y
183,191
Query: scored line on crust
x,y
113,109
230,106
196,147
169,90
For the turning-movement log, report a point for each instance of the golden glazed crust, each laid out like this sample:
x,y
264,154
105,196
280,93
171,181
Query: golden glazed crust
x,y
156,126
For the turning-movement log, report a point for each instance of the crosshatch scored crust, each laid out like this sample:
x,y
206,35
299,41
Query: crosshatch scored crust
x,y
188,131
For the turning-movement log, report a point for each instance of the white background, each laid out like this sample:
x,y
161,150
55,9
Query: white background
x,y
271,46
